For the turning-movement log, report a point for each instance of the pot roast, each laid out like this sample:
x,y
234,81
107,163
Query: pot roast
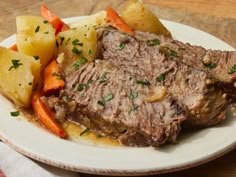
x,y
142,88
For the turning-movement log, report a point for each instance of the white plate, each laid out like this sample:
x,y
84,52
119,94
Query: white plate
x,y
193,148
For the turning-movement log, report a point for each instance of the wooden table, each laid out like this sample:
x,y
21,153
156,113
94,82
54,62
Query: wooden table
x,y
217,17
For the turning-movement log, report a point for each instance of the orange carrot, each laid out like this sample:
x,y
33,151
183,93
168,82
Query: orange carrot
x,y
52,80
56,22
46,115
14,47
117,21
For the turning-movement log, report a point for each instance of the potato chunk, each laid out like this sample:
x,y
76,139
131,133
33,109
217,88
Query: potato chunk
x,y
140,18
77,46
97,19
18,75
35,37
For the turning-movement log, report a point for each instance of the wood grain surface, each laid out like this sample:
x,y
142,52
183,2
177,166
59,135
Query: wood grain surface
x,y
217,17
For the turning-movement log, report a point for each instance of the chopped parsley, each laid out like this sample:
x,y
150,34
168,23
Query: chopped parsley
x,y
153,42
45,21
161,78
89,51
36,57
80,62
81,87
108,97
76,51
46,32
68,40
15,113
210,65
90,81
37,29
173,53
133,108
102,77
133,95
62,39
105,99
84,131
101,103
121,46
146,82
15,64
76,42
232,69
181,48
30,83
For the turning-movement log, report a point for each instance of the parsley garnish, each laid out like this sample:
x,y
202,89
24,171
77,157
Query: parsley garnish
x,y
161,78
15,64
30,83
76,42
37,29
133,95
146,82
36,57
101,103
76,51
105,99
181,48
45,21
15,113
133,108
210,65
153,42
80,62
89,51
173,53
62,39
108,97
103,77
46,32
84,131
121,46
68,40
81,87
232,69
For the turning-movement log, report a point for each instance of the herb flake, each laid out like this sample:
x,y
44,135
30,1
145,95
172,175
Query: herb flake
x,y
15,113
210,65
161,78
232,69
36,57
153,42
133,108
84,131
80,62
108,97
37,29
133,95
121,46
81,87
15,64
76,51
146,82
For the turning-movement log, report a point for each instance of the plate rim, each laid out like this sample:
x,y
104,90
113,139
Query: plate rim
x,y
123,172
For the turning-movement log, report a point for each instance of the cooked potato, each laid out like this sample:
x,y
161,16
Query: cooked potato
x,y
77,46
35,37
18,73
140,18
97,19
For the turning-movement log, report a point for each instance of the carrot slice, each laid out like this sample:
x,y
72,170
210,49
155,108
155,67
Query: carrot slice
x,y
56,22
46,115
117,21
52,80
14,48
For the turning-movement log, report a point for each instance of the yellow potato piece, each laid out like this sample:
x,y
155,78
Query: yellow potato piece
x,y
97,19
17,76
35,37
76,44
140,18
